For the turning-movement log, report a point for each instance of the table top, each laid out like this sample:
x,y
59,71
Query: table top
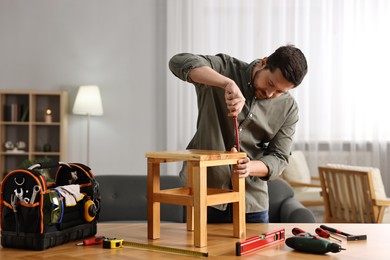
x,y
195,155
221,243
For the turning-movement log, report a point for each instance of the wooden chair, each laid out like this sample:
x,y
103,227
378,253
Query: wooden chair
x,y
307,188
352,194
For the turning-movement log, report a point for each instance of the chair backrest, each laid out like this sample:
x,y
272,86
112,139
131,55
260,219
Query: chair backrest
x,y
349,195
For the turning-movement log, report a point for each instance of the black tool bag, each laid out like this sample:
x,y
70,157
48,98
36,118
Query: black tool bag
x,y
38,215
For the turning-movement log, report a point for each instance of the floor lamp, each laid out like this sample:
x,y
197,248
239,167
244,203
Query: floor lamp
x,y
88,102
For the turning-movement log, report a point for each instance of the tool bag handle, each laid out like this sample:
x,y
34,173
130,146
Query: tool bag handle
x,y
47,165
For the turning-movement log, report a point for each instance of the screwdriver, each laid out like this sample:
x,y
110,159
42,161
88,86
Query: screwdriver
x,y
237,134
323,233
298,231
92,241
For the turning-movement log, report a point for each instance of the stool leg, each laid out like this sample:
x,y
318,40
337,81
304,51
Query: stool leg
x,y
190,209
153,207
200,205
239,224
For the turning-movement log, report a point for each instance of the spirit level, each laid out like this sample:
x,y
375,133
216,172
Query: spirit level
x,y
258,242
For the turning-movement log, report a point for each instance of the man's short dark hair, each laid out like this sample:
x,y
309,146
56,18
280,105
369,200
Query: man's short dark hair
x,y
291,62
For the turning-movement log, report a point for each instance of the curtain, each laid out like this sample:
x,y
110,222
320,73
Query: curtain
x,y
343,100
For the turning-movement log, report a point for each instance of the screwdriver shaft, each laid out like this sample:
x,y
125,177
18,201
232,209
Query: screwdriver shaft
x,y
326,234
335,238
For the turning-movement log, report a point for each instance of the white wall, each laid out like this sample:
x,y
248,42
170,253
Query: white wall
x,y
118,45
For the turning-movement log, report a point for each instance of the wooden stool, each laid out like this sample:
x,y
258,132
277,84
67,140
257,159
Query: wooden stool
x,y
196,196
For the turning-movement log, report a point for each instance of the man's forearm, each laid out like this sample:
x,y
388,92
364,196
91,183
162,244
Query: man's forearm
x,y
259,169
208,76
246,167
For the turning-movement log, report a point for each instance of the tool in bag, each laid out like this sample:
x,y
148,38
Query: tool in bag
x,y
38,215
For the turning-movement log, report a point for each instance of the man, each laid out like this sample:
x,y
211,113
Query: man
x,y
257,94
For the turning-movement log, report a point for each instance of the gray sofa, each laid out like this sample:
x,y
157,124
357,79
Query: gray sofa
x,y
124,198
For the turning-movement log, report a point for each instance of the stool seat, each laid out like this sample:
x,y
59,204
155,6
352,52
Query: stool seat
x,y
196,196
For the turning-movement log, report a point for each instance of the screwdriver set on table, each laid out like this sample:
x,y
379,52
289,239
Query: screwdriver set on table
x,y
319,243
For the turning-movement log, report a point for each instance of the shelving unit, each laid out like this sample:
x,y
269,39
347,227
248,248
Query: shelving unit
x,y
36,118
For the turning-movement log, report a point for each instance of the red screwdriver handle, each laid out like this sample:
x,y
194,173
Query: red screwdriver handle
x,y
297,231
302,233
322,233
94,241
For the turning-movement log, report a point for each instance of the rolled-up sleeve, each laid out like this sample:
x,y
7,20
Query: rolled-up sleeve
x,y
181,64
278,151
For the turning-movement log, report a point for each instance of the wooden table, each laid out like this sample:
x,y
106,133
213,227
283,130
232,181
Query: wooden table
x,y
220,243
195,196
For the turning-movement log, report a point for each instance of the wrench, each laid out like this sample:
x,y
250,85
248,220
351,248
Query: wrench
x,y
19,195
36,189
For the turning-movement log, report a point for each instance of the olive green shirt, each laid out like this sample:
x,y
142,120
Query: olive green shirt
x,y
266,126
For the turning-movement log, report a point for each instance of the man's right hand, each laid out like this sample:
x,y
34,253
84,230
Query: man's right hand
x,y
234,99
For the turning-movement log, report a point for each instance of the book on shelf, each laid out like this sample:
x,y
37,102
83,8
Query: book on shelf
x,y
16,113
24,113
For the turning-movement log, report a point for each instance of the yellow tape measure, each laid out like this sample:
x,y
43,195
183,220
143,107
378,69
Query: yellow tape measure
x,y
165,249
115,243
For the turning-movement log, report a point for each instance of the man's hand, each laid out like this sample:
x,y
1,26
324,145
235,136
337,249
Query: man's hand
x,y
246,167
243,166
234,99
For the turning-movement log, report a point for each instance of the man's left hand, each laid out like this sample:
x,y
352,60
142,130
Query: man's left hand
x,y
243,166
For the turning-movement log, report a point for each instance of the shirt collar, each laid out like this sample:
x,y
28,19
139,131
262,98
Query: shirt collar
x,y
248,75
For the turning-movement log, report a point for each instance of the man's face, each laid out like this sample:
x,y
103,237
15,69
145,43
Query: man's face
x,y
269,85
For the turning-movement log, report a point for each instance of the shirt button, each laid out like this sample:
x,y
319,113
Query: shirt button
x,y
240,129
250,115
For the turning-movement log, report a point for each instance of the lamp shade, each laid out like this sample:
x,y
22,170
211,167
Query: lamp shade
x,y
88,101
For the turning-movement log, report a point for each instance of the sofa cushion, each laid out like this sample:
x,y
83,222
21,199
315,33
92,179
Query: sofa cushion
x,y
297,170
124,197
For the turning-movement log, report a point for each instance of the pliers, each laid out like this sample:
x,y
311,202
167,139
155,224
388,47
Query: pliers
x,y
14,203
